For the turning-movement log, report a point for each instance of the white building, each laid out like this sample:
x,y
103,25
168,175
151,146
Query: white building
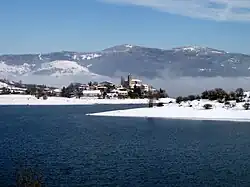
x,y
17,90
84,87
145,87
118,92
91,93
57,91
134,82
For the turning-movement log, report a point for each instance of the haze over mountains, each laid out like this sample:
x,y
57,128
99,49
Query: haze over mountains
x,y
183,64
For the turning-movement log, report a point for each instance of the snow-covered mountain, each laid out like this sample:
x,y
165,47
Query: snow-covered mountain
x,y
60,67
199,50
141,61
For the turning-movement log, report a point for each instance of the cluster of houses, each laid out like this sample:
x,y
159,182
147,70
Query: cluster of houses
x,y
112,90
13,90
94,90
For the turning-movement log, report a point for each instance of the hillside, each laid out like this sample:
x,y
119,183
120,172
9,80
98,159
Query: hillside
x,y
141,61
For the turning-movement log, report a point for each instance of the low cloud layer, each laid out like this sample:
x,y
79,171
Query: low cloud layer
x,y
220,10
184,86
175,86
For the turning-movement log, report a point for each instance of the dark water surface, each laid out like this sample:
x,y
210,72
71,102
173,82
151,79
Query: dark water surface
x,y
70,149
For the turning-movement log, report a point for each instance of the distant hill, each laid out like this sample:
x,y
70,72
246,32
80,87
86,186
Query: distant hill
x,y
140,61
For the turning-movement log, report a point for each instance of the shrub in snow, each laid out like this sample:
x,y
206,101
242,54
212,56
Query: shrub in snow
x,y
45,97
160,104
207,106
246,106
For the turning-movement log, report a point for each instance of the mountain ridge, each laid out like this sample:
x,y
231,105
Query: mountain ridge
x,y
141,61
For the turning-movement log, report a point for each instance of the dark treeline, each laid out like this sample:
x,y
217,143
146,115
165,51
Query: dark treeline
x,y
215,94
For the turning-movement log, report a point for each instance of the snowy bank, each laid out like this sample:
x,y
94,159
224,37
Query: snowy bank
x,y
32,100
194,112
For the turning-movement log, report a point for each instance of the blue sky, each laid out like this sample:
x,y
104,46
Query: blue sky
x,y
33,26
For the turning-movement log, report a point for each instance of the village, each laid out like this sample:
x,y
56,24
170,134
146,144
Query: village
x,y
131,88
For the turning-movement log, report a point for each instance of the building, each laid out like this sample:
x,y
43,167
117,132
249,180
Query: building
x,y
102,88
120,91
135,82
57,92
91,93
145,87
84,87
130,83
13,90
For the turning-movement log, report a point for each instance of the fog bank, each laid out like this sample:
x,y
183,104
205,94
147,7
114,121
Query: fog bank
x,y
174,85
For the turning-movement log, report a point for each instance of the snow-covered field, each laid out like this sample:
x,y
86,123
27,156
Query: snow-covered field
x,y
195,112
32,100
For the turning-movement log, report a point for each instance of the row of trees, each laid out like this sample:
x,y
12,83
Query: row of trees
x,y
215,94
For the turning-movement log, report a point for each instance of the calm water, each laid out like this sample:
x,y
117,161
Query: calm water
x,y
70,149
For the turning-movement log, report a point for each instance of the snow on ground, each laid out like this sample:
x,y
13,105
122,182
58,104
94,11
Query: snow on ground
x,y
17,69
63,66
195,112
32,100
3,84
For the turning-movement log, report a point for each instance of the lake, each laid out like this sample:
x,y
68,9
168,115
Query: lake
x,y
66,148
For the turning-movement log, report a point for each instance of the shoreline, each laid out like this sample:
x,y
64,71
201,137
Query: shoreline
x,y
180,118
175,112
25,100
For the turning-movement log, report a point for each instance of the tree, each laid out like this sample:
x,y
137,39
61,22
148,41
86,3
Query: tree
x,y
232,95
31,90
220,93
90,83
162,93
239,92
63,92
79,94
198,97
191,97
95,83
104,95
204,95
133,95
179,99
137,91
40,93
